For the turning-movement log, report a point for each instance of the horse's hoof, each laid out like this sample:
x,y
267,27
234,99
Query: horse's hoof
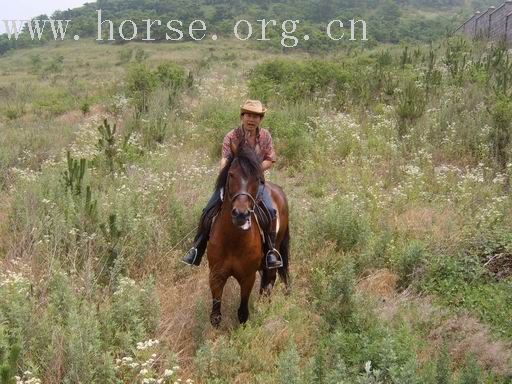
x,y
243,316
215,320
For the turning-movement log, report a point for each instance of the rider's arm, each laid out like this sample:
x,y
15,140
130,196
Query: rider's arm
x,y
223,163
266,164
227,150
269,155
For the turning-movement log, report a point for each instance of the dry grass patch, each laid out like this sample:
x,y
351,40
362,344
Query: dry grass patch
x,y
466,335
381,284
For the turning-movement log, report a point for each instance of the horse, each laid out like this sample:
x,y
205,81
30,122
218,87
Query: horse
x,y
235,246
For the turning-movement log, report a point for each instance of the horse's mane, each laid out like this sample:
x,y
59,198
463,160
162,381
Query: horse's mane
x,y
246,157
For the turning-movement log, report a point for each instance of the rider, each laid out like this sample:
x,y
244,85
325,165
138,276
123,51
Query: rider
x,y
250,133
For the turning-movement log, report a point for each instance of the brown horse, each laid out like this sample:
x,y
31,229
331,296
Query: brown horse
x,y
235,246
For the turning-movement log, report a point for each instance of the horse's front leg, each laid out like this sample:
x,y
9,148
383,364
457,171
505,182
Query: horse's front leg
x,y
217,283
246,284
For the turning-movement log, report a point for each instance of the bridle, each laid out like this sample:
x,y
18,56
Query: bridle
x,y
242,193
254,203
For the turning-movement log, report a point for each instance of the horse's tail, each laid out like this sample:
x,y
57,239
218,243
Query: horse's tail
x,y
284,250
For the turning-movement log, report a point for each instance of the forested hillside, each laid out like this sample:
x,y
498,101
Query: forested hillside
x,y
388,21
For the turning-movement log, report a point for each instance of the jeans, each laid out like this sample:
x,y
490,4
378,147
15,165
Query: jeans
x,y
267,200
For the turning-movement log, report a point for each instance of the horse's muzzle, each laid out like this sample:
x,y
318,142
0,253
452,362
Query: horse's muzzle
x,y
241,219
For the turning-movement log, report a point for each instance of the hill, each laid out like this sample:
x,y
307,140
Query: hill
x,y
388,21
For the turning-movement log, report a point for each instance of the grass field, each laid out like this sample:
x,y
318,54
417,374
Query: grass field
x,y
401,251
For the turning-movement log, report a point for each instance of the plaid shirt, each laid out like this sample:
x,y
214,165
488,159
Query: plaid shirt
x,y
264,147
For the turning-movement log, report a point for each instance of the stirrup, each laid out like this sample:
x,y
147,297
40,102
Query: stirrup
x,y
194,259
280,259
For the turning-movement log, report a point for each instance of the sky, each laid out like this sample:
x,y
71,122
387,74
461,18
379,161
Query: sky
x,y
25,9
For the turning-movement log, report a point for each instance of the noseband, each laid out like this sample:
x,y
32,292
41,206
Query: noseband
x,y
244,194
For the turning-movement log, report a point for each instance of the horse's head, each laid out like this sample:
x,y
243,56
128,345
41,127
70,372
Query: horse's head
x,y
242,178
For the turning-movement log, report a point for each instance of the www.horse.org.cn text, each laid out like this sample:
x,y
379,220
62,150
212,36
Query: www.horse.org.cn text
x,y
175,30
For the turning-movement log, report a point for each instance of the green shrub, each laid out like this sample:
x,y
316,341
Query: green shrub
x,y
9,356
411,105
133,314
296,80
289,366
140,55
108,146
407,262
125,55
215,121
293,141
342,224
456,59
333,293
140,82
471,373
501,133
443,367
171,75
85,107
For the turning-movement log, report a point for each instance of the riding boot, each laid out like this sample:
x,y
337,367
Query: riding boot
x,y
273,258
195,254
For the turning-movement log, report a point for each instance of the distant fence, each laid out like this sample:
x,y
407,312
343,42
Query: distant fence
x,y
494,24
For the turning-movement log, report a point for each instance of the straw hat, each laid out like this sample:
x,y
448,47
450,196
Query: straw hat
x,y
253,106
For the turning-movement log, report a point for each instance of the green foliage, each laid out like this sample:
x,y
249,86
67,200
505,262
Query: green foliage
x,y
54,67
217,361
408,261
501,133
462,282
288,366
81,211
363,351
289,128
411,106
9,356
471,372
296,80
133,314
171,75
500,66
443,367
73,176
331,141
112,235
456,59
53,101
433,77
140,82
107,144
341,224
140,55
16,101
405,58
214,121
333,293
125,55
85,107
387,21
